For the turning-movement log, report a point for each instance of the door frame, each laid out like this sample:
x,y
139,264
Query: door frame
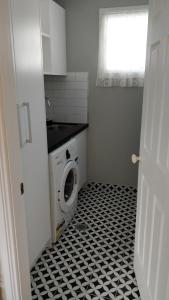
x,y
13,247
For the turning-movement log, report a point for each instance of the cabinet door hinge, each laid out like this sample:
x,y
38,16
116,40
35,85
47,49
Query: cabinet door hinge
x,y
22,188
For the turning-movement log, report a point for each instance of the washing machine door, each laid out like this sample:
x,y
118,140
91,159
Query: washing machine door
x,y
69,186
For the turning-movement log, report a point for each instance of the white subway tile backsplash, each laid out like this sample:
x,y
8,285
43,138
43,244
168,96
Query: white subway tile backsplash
x,y
58,94
82,76
79,117
71,94
71,76
81,102
68,85
68,96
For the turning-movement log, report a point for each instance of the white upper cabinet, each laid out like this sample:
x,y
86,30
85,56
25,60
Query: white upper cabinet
x,y
53,30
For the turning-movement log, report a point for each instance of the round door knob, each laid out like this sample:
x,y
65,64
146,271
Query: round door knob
x,y
135,158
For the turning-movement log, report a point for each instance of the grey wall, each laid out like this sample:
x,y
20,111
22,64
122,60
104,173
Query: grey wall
x,y
114,113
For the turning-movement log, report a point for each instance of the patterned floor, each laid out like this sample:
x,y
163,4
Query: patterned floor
x,y
97,262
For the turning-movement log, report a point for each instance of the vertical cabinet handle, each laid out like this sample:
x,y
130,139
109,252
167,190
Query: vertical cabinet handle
x,y
24,120
29,139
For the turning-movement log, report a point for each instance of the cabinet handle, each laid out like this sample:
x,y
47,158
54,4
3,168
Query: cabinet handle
x,y
29,139
24,124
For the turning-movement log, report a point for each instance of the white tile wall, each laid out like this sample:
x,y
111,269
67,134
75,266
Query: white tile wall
x,y
68,96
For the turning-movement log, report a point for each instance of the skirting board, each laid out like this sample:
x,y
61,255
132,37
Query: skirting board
x,y
48,244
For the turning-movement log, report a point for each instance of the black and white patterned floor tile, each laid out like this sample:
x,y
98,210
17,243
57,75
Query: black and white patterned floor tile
x,y
95,262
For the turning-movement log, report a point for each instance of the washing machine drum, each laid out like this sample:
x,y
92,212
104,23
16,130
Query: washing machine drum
x,y
69,186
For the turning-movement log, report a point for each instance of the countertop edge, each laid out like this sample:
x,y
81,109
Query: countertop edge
x,y
66,139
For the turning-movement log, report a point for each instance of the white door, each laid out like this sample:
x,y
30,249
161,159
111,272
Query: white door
x,y
152,231
30,96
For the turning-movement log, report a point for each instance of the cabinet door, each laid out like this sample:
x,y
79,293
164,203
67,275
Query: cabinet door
x,y
58,39
46,38
30,91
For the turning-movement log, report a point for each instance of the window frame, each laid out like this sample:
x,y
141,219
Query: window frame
x,y
105,12
114,10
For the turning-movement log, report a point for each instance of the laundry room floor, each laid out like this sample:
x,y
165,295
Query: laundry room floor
x,y
93,259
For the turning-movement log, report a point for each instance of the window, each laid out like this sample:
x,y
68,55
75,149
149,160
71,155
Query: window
x,y
122,46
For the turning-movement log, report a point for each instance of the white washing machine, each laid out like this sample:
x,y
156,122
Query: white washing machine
x,y
64,186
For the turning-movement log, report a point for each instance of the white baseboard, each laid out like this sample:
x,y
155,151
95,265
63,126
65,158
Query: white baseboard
x,y
141,282
48,244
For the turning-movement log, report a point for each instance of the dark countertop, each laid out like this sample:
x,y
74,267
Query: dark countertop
x,y
60,133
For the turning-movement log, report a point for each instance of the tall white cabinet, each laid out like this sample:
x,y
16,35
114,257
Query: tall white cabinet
x,y
53,31
31,110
